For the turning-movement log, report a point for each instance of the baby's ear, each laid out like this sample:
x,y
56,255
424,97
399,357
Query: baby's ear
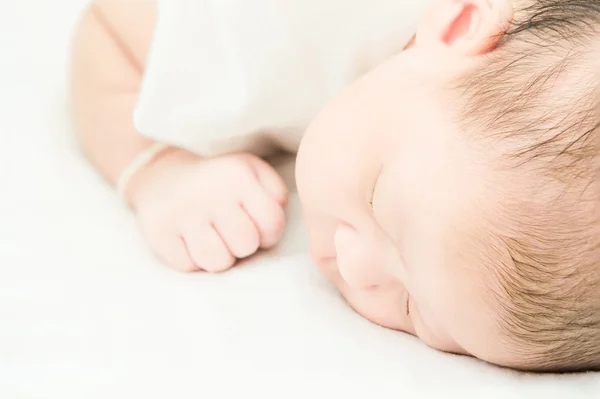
x,y
469,27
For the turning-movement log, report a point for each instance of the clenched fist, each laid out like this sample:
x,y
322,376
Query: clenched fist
x,y
204,214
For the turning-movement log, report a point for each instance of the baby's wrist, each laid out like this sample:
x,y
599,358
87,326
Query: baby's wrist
x,y
149,173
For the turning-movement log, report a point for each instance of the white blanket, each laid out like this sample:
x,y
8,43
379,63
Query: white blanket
x,y
87,312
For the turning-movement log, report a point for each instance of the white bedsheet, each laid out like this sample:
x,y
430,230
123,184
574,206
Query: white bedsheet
x,y
86,312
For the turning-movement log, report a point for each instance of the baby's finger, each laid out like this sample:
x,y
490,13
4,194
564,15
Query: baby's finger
x,y
268,216
172,251
270,180
238,232
207,249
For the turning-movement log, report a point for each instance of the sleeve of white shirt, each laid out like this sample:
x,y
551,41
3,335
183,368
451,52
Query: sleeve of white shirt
x,y
221,69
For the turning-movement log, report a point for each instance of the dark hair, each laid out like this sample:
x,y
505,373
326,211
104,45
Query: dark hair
x,y
537,97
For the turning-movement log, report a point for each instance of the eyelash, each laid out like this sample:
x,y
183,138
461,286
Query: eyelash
x,y
371,206
374,188
371,198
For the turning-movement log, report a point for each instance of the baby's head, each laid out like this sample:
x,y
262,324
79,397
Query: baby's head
x,y
451,192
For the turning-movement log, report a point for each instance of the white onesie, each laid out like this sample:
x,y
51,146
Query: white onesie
x,y
250,75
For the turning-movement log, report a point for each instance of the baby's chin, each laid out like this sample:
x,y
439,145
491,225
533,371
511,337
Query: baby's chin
x,y
384,309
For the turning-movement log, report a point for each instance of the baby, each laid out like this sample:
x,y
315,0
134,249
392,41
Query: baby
x,y
450,192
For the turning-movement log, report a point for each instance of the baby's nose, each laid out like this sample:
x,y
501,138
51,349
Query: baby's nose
x,y
357,259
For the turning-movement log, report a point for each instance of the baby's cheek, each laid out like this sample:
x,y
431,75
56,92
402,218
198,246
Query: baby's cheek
x,y
431,332
383,308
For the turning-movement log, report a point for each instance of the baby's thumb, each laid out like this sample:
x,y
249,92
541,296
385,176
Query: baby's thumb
x,y
270,180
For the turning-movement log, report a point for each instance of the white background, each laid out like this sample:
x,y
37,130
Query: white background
x,y
86,312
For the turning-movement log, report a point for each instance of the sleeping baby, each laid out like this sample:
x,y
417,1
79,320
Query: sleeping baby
x,y
446,153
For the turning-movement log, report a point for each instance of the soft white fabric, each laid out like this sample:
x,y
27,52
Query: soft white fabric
x,y
232,75
86,312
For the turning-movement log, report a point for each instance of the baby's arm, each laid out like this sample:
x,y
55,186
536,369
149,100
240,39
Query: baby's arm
x,y
196,213
109,56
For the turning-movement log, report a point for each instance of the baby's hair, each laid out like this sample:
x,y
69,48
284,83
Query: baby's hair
x,y
535,99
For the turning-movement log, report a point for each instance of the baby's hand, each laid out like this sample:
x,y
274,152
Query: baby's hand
x,y
205,214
